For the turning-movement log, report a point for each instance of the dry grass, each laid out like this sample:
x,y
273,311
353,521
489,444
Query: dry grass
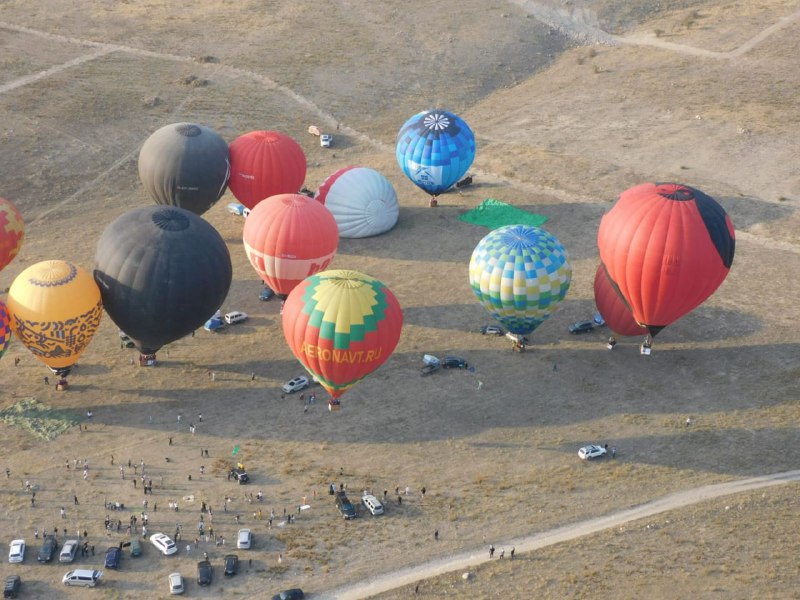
x,y
497,461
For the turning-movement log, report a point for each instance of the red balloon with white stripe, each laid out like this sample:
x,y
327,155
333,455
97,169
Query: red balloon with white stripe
x,y
289,237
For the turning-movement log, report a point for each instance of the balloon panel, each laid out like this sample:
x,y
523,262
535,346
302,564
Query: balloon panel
x,y
12,230
341,325
666,247
612,306
289,237
5,329
185,165
434,149
55,310
162,271
520,274
264,164
362,200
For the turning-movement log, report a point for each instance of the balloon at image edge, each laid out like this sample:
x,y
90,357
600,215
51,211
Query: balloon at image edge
x,y
12,232
55,309
434,149
185,165
362,200
666,247
341,325
612,306
289,237
5,329
540,281
162,272
264,164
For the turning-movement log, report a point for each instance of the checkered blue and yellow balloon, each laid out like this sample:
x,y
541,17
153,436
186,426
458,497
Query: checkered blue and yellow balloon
x,y
520,274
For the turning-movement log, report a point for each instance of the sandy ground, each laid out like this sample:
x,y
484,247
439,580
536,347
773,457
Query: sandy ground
x,y
699,92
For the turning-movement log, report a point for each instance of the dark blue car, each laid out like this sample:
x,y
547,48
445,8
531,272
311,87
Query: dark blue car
x,y
112,557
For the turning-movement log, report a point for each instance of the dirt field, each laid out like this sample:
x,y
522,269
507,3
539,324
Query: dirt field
x,y
571,103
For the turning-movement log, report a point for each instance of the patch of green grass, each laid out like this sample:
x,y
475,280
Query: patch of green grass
x,y
41,420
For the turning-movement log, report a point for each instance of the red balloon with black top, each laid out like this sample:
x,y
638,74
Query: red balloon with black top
x,y
666,247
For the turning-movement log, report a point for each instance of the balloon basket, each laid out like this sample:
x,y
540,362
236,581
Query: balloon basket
x,y
334,406
644,350
62,385
147,360
433,203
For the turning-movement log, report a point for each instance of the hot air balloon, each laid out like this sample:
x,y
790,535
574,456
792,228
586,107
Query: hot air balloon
x,y
264,164
612,307
434,149
55,309
5,329
12,230
289,237
185,165
520,273
666,247
362,201
341,325
162,272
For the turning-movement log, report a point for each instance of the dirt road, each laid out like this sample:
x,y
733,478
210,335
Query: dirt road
x,y
466,560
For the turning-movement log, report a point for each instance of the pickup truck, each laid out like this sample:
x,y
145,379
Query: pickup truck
x,y
345,506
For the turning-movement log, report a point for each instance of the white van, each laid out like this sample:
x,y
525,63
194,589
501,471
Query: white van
x,y
82,577
373,505
235,317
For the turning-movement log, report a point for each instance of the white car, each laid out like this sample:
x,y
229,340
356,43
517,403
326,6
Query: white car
x,y
296,384
164,544
325,140
592,451
176,583
68,551
16,551
244,539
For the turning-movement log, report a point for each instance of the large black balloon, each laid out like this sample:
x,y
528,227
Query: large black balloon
x,y
186,165
162,272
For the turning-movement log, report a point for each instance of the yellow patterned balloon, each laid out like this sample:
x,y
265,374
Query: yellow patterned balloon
x,y
55,309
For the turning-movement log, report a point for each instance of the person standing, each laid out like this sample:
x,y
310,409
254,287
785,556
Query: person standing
x,y
436,535
491,550
513,550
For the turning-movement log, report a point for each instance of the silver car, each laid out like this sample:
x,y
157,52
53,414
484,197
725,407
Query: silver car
x,y
16,551
68,552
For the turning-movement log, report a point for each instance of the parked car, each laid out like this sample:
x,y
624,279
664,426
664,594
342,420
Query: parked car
x,y
296,384
82,577
292,594
325,140
592,451
164,544
581,327
113,555
345,506
234,317
492,330
12,585
125,340
176,583
204,573
374,506
454,362
215,322
48,549
240,475
236,208
68,552
231,564
266,294
136,547
16,551
244,540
